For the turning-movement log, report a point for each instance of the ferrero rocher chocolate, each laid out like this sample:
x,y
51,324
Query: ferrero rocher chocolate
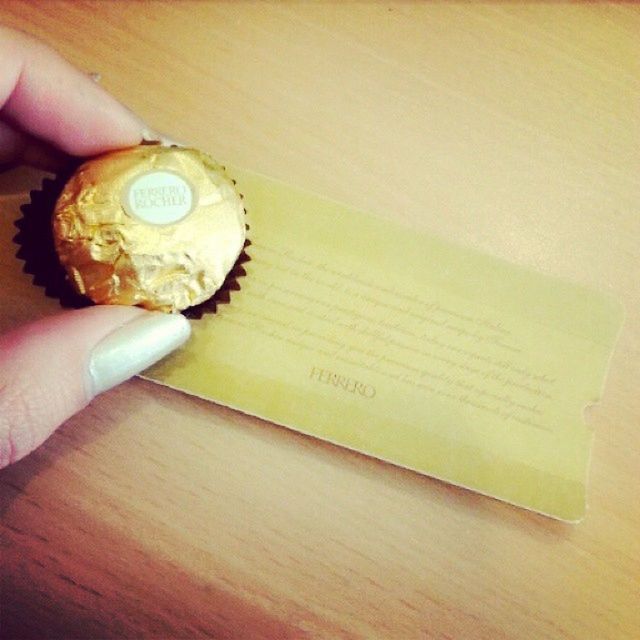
x,y
154,226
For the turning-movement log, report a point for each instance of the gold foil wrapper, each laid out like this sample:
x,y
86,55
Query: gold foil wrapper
x,y
153,226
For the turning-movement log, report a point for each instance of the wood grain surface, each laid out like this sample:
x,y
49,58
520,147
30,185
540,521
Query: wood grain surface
x,y
506,127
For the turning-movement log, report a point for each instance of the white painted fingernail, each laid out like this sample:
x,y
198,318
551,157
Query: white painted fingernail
x,y
133,347
149,135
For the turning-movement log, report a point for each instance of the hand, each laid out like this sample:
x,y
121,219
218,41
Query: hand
x,y
52,368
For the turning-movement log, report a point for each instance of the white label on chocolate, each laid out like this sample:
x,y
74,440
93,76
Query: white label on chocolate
x,y
159,197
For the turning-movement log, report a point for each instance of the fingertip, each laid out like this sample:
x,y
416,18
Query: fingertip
x,y
134,347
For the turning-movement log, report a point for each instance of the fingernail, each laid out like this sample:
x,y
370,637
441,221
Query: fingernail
x,y
133,347
95,76
149,135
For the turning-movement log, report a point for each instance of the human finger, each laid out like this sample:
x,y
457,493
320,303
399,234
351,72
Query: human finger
x,y
45,96
52,368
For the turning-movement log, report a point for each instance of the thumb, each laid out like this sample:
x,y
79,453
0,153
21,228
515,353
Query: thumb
x,y
52,368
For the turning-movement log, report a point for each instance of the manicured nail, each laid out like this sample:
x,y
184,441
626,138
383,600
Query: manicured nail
x,y
135,346
149,135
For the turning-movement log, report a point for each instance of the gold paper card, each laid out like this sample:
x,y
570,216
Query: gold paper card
x,y
404,347
396,344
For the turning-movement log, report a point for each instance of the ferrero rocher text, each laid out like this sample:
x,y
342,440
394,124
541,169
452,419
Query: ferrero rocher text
x,y
154,226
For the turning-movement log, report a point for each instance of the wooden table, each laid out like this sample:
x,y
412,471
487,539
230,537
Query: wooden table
x,y
507,127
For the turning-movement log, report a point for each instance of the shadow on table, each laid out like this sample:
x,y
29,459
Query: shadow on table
x,y
20,180
67,573
52,593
